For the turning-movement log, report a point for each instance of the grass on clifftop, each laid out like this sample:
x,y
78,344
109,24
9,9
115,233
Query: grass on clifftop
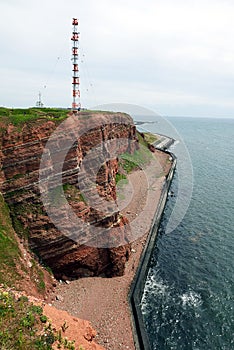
x,y
23,326
19,116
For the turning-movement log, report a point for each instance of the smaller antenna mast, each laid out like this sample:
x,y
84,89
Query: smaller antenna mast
x,y
39,102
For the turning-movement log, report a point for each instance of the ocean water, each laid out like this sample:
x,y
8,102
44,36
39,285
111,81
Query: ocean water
x,y
188,301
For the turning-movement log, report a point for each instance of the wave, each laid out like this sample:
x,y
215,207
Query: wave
x,y
191,299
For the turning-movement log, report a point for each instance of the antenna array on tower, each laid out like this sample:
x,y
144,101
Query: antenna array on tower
x,y
76,106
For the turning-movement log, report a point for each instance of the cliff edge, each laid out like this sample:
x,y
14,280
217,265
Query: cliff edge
x,y
22,143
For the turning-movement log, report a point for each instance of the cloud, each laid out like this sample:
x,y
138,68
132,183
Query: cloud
x,y
158,53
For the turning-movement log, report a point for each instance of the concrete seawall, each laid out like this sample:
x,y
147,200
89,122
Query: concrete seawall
x,y
163,142
137,288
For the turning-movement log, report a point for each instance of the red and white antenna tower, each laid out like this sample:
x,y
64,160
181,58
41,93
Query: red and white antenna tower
x,y
76,106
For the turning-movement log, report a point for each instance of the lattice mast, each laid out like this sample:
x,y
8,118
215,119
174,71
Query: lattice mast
x,y
39,102
76,106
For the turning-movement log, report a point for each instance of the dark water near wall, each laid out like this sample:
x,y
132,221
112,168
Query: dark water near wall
x,y
189,294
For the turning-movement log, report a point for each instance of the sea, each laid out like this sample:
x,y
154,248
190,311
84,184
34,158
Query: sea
x,y
188,300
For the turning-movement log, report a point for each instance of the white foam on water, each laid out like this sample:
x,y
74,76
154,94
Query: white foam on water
x,y
173,146
191,299
154,288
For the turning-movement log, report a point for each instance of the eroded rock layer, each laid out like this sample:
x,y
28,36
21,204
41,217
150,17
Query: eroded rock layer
x,y
83,146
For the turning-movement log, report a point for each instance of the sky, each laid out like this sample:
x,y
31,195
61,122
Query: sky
x,y
174,57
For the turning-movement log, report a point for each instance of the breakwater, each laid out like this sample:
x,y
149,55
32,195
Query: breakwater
x,y
137,288
164,142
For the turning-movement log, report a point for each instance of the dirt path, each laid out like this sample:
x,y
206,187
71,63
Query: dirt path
x,y
103,301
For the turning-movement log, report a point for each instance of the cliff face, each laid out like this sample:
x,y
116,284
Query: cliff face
x,y
21,150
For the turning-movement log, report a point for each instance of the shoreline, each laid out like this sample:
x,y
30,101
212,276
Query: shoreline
x,y
137,286
105,302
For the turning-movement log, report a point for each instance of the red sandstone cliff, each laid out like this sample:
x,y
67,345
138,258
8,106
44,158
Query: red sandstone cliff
x,y
21,149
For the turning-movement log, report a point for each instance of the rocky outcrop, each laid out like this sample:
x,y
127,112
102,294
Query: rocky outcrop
x,y
73,328
79,249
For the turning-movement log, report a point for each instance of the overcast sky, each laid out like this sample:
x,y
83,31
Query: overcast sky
x,y
175,57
